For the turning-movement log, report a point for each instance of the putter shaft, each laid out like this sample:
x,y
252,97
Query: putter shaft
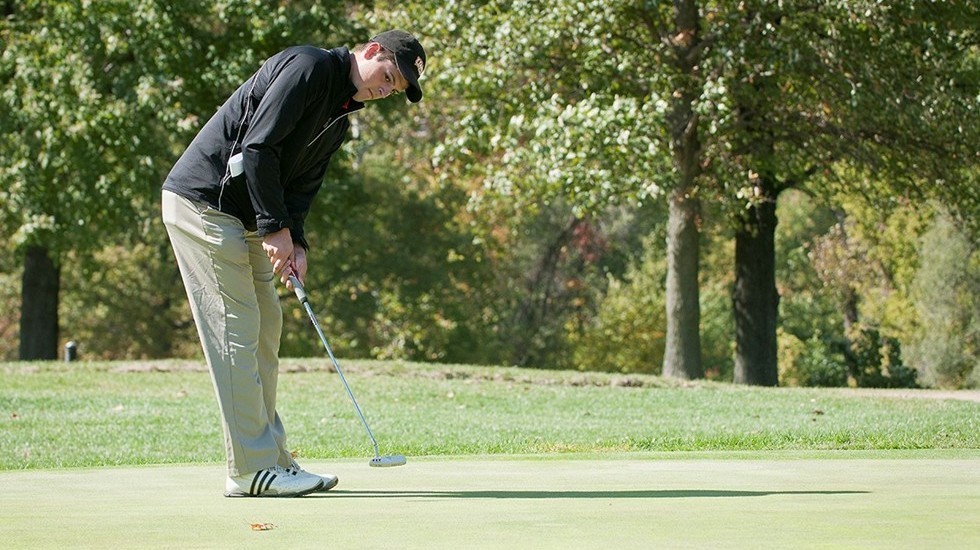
x,y
301,294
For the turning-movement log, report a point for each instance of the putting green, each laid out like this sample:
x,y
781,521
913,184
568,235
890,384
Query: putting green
x,y
774,500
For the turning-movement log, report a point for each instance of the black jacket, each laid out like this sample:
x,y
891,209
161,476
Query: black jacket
x,y
297,106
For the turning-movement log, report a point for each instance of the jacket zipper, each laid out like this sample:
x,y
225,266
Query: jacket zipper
x,y
330,124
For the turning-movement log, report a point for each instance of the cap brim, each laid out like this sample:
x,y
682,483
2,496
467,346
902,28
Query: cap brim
x,y
414,94
414,91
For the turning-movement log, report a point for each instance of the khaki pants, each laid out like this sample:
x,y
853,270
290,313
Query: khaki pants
x,y
231,289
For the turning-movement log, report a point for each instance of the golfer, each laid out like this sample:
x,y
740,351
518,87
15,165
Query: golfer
x,y
234,205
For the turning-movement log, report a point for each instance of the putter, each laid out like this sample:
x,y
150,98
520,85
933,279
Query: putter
x,y
378,461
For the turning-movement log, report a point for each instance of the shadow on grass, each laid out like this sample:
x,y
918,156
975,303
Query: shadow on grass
x,y
575,494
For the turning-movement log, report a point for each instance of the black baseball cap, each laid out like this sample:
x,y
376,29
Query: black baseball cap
x,y
409,56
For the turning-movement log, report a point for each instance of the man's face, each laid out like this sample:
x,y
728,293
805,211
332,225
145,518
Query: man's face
x,y
377,78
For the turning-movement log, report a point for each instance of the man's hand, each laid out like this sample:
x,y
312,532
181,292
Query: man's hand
x,y
278,247
298,267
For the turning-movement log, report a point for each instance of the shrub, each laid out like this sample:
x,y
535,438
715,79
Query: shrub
x,y
811,362
876,361
946,349
628,332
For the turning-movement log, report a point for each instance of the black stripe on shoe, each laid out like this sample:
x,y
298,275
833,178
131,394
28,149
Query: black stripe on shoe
x,y
255,478
268,483
262,477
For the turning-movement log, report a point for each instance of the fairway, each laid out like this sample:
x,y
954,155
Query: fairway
x,y
704,500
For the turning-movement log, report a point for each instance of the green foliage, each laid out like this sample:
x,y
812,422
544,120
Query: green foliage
x,y
886,239
947,298
843,292
10,303
717,278
717,326
627,333
787,92
628,330
810,362
79,108
866,287
133,294
810,338
393,273
554,275
876,360
544,152
807,306
591,153
587,137
874,85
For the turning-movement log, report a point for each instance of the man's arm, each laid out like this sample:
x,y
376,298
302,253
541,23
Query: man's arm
x,y
276,115
299,199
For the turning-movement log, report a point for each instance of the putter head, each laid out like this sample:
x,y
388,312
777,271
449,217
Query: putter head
x,y
387,461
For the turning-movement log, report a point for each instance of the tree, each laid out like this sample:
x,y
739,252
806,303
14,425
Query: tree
x,y
810,87
784,96
613,123
682,39
74,156
947,287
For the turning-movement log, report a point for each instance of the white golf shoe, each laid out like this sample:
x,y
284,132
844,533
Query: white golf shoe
x,y
329,481
273,482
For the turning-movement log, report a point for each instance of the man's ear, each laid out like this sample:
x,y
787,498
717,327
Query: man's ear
x,y
371,50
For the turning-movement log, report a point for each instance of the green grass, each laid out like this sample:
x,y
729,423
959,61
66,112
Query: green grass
x,y
92,414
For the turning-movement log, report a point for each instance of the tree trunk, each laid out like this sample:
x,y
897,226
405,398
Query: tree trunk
x,y
39,306
755,299
682,352
849,306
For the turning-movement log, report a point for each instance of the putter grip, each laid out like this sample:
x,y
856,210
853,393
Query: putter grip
x,y
298,289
